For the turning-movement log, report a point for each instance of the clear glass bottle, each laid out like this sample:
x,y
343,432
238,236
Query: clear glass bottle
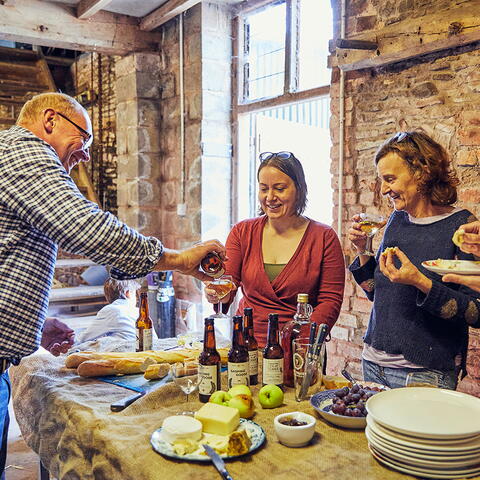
x,y
298,327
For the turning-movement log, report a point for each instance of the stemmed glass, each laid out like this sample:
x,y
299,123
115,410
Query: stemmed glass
x,y
370,224
222,286
185,375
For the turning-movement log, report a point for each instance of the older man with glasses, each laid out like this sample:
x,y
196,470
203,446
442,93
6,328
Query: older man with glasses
x,y
40,209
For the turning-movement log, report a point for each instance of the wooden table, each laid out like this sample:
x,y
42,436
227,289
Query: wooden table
x,y
67,421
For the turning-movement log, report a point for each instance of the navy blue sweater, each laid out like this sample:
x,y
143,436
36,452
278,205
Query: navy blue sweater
x,y
428,330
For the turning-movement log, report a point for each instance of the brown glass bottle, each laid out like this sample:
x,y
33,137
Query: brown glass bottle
x,y
273,354
143,325
298,327
212,265
208,364
238,371
251,344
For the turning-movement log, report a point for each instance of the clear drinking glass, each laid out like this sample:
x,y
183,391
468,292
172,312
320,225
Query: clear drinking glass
x,y
222,286
421,379
185,375
370,224
302,364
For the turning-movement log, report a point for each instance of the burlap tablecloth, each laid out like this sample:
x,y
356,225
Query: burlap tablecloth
x,y
68,422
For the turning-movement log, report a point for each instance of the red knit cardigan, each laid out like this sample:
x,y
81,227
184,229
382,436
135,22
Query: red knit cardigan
x,y
317,268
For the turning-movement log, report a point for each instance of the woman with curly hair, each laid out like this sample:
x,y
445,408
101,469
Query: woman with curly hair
x,y
418,325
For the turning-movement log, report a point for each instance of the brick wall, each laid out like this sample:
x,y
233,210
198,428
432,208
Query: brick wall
x,y
95,74
438,92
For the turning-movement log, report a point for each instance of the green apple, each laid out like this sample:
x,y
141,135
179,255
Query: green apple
x,y
270,396
244,404
240,390
220,397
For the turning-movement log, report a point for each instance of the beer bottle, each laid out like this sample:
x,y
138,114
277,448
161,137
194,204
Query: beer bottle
x,y
208,364
212,265
238,372
143,325
251,344
273,354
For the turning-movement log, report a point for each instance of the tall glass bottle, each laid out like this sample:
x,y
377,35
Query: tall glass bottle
x,y
208,364
238,371
299,327
273,354
251,344
143,325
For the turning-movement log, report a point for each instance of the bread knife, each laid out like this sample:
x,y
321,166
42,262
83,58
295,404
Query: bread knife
x,y
125,402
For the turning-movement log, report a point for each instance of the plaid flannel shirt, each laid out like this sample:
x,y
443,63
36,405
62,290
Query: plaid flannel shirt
x,y
40,209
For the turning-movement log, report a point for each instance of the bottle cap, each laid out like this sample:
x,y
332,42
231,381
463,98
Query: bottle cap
x,y
302,298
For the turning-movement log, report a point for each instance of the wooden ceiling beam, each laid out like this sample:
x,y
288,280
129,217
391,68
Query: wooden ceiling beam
x,y
165,13
413,37
87,8
57,26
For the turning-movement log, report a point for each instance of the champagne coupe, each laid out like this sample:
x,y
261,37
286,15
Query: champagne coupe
x,y
222,286
370,224
185,375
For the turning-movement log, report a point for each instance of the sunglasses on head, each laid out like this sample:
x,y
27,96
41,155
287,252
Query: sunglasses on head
x,y
281,155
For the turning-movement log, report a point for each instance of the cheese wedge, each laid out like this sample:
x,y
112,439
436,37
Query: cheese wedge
x,y
181,427
218,419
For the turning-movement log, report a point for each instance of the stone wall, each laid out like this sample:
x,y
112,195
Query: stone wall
x,y
439,93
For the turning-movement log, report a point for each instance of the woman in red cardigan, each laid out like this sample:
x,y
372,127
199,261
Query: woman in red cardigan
x,y
282,253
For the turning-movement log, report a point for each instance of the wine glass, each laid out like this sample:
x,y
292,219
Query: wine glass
x,y
185,375
222,286
421,379
370,224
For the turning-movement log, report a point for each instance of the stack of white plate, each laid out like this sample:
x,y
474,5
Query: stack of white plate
x,y
427,432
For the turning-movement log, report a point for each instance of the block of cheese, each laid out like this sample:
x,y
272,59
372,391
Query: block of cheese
x,y
180,427
218,419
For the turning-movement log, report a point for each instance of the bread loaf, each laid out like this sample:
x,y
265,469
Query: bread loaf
x,y
158,356
117,366
156,371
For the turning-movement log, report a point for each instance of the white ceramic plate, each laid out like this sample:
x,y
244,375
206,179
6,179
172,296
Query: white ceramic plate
x,y
422,461
422,472
422,443
255,431
427,412
448,452
459,267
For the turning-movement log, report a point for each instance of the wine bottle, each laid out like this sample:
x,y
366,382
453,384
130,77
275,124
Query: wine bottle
x,y
251,344
143,325
212,265
208,363
298,327
238,372
273,354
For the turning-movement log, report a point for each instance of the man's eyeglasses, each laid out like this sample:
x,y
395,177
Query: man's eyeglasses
x,y
86,136
281,155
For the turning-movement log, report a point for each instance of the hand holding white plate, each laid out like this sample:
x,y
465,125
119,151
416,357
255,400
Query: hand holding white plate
x,y
459,267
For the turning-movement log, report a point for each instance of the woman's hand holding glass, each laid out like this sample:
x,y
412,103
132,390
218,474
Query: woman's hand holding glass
x,y
362,231
407,273
219,291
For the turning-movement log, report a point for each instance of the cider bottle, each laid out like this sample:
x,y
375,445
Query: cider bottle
x,y
208,364
238,372
299,327
273,354
251,344
212,265
143,325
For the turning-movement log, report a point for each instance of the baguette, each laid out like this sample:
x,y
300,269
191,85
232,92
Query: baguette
x,y
156,371
159,356
117,366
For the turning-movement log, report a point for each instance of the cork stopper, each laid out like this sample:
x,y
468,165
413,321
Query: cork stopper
x,y
302,298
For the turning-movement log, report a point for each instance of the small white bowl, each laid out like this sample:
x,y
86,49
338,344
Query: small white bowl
x,y
295,436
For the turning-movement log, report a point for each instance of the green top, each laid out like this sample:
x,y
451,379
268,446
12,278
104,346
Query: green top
x,y
273,270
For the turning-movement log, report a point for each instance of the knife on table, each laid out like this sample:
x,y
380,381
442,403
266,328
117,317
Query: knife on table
x,y
125,402
218,462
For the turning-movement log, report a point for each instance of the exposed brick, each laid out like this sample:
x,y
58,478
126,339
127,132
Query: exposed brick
x,y
340,333
467,158
423,90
